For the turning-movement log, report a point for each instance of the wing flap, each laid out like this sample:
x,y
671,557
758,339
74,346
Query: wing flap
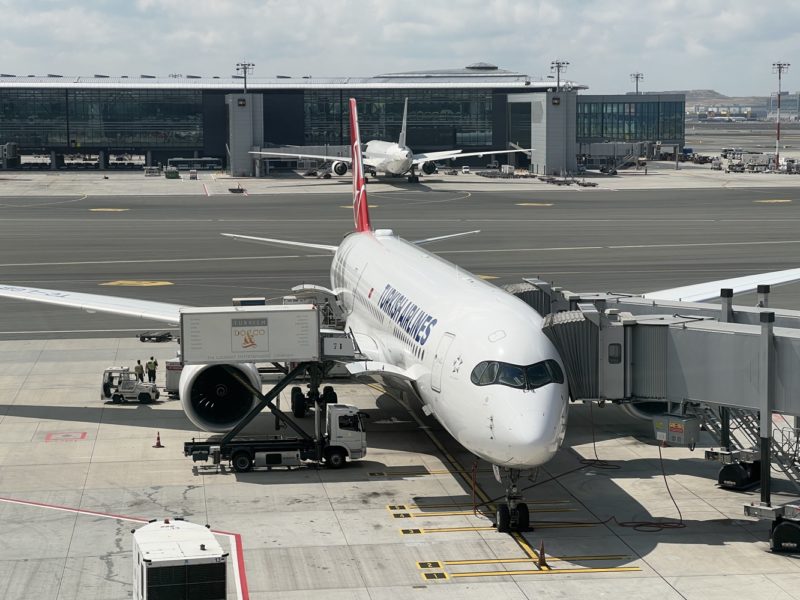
x,y
710,290
144,309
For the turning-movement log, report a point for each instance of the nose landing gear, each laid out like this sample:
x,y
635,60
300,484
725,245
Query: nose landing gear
x,y
514,514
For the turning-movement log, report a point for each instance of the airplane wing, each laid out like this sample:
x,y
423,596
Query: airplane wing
x,y
345,159
145,309
710,290
418,159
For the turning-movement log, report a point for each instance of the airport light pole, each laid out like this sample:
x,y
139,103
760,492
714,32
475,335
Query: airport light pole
x,y
779,68
558,66
244,67
637,77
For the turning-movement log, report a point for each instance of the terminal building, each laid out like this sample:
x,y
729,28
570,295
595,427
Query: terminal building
x,y
479,107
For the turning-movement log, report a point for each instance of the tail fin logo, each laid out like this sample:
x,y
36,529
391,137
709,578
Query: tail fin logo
x,y
360,206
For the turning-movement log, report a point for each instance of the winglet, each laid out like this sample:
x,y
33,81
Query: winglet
x,y
402,141
360,208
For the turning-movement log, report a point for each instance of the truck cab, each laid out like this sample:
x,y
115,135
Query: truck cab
x,y
345,431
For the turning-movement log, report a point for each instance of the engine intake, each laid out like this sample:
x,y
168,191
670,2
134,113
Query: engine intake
x,y
339,167
213,399
428,167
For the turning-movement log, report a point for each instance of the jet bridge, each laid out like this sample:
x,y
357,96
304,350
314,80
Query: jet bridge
x,y
732,368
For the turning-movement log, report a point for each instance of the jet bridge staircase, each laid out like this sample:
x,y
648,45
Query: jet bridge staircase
x,y
732,369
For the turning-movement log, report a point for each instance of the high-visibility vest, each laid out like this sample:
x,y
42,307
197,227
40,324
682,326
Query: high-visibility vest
x,y
151,365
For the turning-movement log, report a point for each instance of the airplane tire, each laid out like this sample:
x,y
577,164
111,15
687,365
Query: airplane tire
x,y
241,461
298,403
503,519
523,517
329,395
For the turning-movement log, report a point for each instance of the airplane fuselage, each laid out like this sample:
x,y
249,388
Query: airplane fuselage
x,y
388,157
445,327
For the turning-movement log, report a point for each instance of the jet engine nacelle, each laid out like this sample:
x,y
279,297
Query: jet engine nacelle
x,y
428,167
213,399
339,167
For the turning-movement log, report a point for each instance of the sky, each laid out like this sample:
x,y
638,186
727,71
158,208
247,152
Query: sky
x,y
729,46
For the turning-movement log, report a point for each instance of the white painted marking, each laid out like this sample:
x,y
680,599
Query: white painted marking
x,y
205,187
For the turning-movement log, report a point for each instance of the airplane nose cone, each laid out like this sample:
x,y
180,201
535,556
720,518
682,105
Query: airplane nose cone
x,y
533,432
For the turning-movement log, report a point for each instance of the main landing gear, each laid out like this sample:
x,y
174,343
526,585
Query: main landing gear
x,y
514,514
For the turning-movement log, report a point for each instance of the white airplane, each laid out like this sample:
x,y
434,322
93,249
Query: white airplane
x,y
473,354
392,158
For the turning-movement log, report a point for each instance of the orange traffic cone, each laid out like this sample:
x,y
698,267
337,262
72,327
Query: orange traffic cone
x,y
158,441
542,562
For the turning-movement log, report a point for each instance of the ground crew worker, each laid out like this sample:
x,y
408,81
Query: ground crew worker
x,y
152,364
139,370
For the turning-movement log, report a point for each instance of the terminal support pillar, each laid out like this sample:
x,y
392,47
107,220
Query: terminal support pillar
x,y
765,386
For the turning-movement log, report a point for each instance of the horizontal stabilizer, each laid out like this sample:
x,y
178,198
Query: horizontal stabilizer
x,y
443,237
701,292
275,242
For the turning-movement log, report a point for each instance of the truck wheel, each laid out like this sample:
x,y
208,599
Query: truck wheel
x,y
144,398
329,396
241,461
335,458
117,399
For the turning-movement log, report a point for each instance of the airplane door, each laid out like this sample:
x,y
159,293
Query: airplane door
x,y
438,361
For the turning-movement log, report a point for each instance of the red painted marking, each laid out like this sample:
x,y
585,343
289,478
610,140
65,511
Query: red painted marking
x,y
369,296
240,559
65,436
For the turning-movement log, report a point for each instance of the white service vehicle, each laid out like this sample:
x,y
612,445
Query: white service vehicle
x,y
173,558
121,385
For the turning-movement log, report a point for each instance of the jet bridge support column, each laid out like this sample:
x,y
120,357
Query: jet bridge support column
x,y
725,316
767,402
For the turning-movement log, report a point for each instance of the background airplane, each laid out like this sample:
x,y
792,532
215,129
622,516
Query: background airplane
x,y
392,158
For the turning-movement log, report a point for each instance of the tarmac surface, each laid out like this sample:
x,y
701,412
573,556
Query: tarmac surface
x,y
77,474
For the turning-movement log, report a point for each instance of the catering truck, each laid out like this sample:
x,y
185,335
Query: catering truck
x,y
173,558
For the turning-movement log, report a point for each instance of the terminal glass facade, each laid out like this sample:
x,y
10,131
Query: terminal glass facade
x,y
438,118
623,119
100,118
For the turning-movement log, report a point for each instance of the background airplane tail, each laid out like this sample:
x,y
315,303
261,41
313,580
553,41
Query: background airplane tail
x,y
402,141
360,208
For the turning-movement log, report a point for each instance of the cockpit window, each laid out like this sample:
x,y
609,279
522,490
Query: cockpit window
x,y
530,377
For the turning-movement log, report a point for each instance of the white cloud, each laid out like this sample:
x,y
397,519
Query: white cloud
x,y
727,45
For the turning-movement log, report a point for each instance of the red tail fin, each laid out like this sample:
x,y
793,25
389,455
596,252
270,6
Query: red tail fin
x,y
360,208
